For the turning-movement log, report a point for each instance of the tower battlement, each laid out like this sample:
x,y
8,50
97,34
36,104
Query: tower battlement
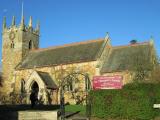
x,y
22,26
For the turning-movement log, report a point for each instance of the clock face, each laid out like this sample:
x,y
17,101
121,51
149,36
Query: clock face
x,y
11,35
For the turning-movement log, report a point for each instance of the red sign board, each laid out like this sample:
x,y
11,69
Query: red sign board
x,y
107,82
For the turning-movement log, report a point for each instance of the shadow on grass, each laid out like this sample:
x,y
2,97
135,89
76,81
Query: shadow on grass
x,y
70,114
10,112
28,107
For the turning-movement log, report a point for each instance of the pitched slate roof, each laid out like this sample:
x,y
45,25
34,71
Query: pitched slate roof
x,y
71,53
125,57
47,80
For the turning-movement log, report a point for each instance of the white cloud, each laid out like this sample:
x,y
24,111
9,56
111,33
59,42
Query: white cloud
x,y
5,10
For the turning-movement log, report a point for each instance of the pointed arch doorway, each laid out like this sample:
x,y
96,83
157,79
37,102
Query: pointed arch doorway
x,y
35,88
40,82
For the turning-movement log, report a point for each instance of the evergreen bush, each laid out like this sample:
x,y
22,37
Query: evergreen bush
x,y
134,102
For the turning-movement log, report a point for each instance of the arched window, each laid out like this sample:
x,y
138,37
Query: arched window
x,y
30,44
87,83
22,86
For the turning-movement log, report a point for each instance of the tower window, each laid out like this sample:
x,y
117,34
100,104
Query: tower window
x,y
12,44
30,44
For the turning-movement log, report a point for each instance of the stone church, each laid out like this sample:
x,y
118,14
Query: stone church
x,y
26,67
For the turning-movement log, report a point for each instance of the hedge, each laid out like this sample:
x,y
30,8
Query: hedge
x,y
133,102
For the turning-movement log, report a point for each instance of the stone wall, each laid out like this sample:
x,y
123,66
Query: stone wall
x,y
58,73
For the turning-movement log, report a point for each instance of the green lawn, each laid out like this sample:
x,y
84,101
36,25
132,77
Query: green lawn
x,y
75,108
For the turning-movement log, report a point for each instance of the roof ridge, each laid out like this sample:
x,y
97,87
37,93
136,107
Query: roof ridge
x,y
133,45
67,45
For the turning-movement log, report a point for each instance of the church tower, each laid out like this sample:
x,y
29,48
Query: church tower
x,y
17,41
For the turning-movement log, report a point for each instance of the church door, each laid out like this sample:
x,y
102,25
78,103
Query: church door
x,y
35,88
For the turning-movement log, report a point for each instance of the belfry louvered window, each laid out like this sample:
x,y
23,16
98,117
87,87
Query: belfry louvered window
x,y
30,45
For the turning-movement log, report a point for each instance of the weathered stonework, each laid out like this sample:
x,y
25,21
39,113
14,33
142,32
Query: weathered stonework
x,y
57,73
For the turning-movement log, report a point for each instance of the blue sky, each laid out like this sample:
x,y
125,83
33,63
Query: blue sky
x,y
66,21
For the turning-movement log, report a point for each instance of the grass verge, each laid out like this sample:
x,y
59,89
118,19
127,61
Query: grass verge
x,y
75,108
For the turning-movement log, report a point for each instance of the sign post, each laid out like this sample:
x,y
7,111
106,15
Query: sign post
x,y
156,106
107,82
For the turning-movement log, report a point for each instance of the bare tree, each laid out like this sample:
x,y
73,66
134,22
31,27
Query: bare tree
x,y
73,82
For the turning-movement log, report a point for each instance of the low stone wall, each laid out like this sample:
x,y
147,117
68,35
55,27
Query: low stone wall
x,y
37,115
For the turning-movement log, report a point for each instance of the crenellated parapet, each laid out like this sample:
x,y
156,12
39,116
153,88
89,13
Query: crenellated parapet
x,y
22,26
